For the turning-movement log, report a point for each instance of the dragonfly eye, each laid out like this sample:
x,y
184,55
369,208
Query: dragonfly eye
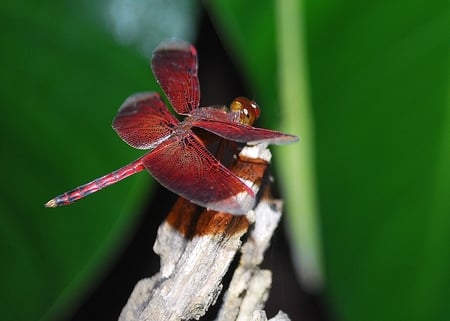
x,y
248,110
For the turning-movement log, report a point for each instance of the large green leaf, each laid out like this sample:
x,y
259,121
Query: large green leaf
x,y
62,80
379,83
381,97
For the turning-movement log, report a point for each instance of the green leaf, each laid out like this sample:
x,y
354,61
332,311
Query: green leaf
x,y
379,87
381,96
63,78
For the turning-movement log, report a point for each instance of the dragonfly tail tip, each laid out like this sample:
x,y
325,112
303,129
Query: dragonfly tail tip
x,y
51,203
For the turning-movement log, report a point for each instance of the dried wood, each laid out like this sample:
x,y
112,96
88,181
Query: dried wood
x,y
196,249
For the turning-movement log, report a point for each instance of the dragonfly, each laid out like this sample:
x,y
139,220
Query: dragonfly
x,y
178,156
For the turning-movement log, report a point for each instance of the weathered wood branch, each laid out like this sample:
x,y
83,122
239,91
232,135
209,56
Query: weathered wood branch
x,y
197,246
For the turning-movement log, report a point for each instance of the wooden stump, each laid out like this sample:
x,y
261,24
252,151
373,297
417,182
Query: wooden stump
x,y
197,246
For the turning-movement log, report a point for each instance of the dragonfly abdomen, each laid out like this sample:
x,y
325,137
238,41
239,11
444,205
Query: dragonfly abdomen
x,y
96,185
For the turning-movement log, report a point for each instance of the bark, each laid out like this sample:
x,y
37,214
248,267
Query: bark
x,y
197,246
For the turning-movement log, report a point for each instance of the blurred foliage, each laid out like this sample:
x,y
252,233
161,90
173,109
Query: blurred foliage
x,y
379,83
63,78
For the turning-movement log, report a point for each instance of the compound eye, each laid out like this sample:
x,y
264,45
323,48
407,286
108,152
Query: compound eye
x,y
248,110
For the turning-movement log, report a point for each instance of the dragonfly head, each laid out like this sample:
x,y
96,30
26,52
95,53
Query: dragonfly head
x,y
248,110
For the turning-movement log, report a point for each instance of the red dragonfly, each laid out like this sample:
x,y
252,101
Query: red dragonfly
x,y
178,158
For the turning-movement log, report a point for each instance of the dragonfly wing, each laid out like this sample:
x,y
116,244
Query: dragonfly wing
x,y
143,121
186,167
244,133
174,64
